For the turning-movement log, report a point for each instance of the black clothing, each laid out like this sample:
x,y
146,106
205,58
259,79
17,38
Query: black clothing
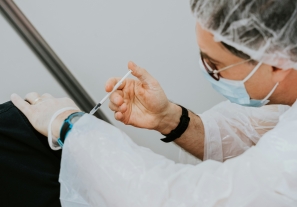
x,y
29,169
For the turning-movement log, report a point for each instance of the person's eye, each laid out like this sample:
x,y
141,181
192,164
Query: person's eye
x,y
212,65
215,66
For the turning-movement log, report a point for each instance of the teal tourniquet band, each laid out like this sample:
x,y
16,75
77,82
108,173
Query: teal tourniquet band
x,y
67,126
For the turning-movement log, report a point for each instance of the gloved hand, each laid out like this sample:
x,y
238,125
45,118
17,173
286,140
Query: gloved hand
x,y
141,103
40,109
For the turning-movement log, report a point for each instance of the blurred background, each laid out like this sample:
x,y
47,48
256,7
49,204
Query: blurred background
x,y
95,39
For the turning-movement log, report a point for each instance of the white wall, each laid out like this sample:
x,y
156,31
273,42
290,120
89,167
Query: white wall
x,y
96,39
21,70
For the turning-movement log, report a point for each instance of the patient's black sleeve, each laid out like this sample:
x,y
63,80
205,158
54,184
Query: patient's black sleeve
x,y
29,169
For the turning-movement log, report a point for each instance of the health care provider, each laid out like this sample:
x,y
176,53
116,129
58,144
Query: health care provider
x,y
249,54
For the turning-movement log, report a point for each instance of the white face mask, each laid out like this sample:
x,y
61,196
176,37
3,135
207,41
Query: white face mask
x,y
235,91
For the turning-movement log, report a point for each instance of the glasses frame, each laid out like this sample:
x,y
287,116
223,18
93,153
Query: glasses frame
x,y
215,73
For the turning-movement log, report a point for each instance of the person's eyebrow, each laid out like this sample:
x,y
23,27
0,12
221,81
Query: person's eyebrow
x,y
204,55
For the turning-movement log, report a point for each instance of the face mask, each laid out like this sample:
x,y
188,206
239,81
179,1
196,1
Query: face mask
x,y
235,91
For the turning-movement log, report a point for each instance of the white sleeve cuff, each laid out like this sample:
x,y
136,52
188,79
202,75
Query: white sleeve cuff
x,y
52,141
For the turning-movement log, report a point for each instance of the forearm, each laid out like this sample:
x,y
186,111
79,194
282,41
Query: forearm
x,y
192,140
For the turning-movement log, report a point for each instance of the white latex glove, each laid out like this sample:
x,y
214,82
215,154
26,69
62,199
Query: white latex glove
x,y
40,109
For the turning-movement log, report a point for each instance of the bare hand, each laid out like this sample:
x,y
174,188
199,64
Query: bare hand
x,y
141,103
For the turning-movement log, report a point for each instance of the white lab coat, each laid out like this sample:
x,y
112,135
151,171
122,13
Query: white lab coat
x,y
101,166
231,129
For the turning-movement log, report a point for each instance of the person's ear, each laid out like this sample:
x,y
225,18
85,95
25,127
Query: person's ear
x,y
278,74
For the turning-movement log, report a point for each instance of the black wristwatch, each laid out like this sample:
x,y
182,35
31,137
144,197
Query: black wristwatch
x,y
180,129
67,126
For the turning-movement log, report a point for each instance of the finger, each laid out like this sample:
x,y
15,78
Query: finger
x,y
123,108
46,95
32,97
119,116
112,82
115,108
42,98
21,104
141,74
117,97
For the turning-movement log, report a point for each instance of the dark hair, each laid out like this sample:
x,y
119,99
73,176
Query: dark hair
x,y
236,52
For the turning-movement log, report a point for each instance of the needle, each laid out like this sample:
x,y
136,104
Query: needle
x,y
107,95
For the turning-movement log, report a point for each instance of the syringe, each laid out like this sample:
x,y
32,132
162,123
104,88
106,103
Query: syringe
x,y
107,96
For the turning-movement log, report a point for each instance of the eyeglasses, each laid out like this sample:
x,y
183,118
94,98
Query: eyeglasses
x,y
212,69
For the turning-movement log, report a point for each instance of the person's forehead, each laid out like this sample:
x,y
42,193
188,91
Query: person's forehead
x,y
213,49
206,42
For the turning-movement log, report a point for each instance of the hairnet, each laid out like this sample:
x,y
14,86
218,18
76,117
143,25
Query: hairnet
x,y
266,30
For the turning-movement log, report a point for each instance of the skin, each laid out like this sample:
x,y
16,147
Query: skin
x,y
143,103
266,76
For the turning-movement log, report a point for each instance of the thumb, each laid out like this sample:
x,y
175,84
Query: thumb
x,y
22,105
141,74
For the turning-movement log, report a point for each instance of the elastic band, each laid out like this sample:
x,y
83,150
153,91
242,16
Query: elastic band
x,y
49,129
253,72
271,92
230,66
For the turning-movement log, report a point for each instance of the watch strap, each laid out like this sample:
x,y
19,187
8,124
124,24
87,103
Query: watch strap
x,y
180,129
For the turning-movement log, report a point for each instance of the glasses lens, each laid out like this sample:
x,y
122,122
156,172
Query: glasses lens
x,y
210,68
